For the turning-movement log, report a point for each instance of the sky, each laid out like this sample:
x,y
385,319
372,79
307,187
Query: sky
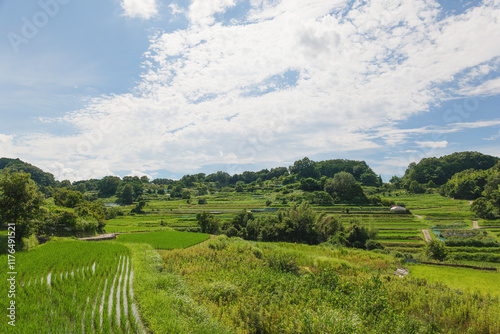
x,y
167,88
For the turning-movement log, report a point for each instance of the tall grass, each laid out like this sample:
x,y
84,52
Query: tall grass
x,y
164,299
288,288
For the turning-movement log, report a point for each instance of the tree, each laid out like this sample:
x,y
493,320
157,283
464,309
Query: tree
x,y
138,208
436,250
207,222
305,168
370,179
345,187
127,194
482,208
357,235
310,184
395,181
416,188
20,204
108,186
67,198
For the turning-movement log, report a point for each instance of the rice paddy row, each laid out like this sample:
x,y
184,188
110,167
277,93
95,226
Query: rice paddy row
x,y
74,287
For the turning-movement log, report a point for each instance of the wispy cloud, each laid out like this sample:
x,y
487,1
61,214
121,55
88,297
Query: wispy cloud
x,y
432,144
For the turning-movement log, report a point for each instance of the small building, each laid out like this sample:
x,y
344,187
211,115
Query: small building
x,y
398,209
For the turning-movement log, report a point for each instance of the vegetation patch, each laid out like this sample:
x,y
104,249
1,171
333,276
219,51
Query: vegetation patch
x,y
165,239
88,289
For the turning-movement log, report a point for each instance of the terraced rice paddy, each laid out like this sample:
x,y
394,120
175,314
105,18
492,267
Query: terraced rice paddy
x,y
165,239
74,287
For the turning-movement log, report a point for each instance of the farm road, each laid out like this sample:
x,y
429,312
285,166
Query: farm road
x,y
101,237
427,236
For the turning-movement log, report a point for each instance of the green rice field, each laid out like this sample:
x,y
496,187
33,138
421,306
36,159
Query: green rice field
x,y
165,239
71,286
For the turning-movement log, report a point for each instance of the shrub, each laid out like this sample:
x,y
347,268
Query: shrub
x,y
221,291
283,262
436,250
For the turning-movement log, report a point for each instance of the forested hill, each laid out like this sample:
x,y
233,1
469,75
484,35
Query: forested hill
x,y
440,170
40,177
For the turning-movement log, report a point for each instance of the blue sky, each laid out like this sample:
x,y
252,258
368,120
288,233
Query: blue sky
x,y
167,88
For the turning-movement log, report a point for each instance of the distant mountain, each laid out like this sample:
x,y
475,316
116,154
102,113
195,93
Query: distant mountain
x,y
440,170
40,177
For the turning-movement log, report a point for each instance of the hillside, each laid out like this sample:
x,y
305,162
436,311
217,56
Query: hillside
x,y
440,170
40,177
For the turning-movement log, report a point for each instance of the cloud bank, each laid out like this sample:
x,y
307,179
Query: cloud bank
x,y
288,79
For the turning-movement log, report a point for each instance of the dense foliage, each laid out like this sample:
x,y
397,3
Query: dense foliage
x,y
440,170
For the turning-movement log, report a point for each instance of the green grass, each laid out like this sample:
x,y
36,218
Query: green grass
x,y
60,288
253,287
165,239
460,278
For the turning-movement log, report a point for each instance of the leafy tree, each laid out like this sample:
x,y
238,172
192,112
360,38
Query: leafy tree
x,y
370,179
126,196
344,187
20,204
320,197
436,250
310,184
67,198
357,235
305,168
222,178
207,222
108,186
396,181
483,208
95,210
416,188
139,207
468,184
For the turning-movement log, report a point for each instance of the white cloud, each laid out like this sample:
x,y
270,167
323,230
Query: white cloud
x,y
432,144
329,80
201,11
144,9
488,88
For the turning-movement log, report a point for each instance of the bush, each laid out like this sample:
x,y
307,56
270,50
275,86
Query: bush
x,y
220,291
372,244
283,262
30,242
387,202
436,250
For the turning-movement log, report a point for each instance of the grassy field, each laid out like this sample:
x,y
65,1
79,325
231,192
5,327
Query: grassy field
x,y
165,239
460,278
253,287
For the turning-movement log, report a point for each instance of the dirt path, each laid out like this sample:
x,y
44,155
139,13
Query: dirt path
x,y
107,236
427,236
419,216
470,202
475,224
